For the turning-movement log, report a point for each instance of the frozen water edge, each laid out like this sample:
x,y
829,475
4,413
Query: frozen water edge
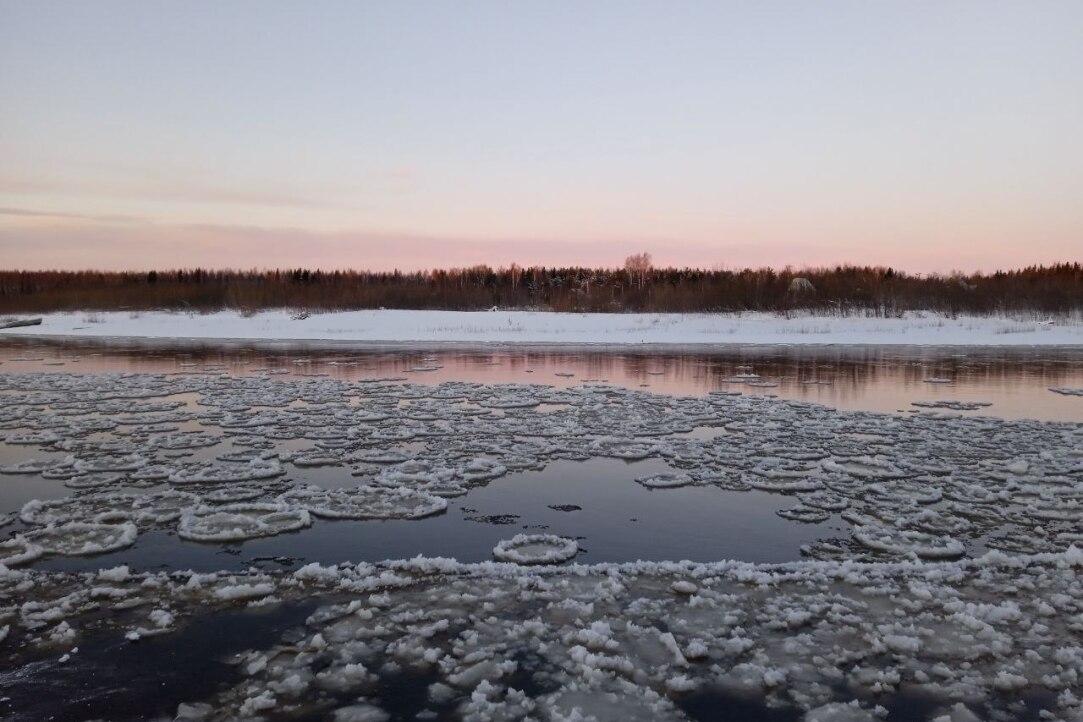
x,y
431,327
503,641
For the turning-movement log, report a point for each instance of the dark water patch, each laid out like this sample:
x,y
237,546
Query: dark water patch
x,y
112,678
617,520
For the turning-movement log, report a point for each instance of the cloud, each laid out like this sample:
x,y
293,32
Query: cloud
x,y
99,218
63,245
168,190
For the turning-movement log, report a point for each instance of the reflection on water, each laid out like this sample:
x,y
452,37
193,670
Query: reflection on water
x,y
597,502
1015,381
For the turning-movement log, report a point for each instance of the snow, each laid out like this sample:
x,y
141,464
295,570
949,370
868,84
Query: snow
x,y
913,328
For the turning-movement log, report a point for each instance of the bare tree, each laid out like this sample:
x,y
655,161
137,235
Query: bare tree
x,y
638,265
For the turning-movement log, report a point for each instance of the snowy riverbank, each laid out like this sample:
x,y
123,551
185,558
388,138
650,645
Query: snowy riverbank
x,y
564,328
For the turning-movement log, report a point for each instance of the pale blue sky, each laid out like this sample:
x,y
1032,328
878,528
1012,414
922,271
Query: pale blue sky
x,y
924,135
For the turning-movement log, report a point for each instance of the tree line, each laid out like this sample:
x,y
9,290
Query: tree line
x,y
638,286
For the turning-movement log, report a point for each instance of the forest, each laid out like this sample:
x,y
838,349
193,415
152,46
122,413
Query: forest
x,y
637,286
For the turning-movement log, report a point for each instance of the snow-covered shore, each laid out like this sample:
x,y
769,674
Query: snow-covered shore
x,y
503,327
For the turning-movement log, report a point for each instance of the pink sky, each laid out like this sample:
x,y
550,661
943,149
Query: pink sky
x,y
923,136
71,243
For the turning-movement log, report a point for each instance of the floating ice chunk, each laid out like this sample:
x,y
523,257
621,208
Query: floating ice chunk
x,y
921,544
237,522
511,401
19,550
628,449
36,466
361,712
116,574
111,463
244,456
936,521
419,472
234,592
482,469
865,467
840,712
1056,510
937,380
82,508
232,494
1020,466
316,458
366,502
153,508
379,456
665,480
152,472
971,493
536,549
1067,391
805,513
1073,556
219,473
83,539
904,492
696,650
161,618
258,703
902,643
683,586
93,480
163,506
953,405
1007,681
44,438
786,485
826,500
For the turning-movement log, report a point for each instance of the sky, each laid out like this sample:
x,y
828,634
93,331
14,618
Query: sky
x,y
927,135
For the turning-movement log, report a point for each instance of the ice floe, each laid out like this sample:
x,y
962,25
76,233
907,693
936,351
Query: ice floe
x,y
366,502
665,480
899,596
83,538
237,522
536,549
